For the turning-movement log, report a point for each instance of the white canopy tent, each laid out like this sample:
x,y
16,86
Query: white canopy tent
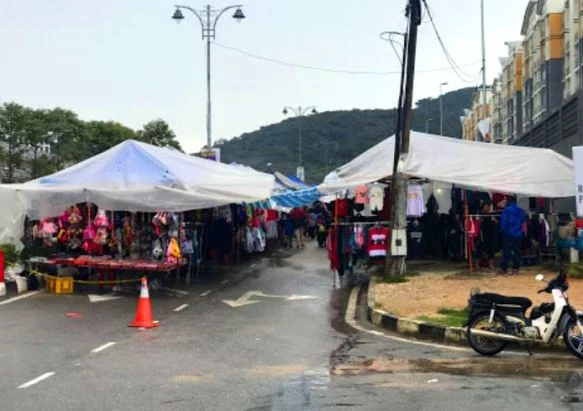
x,y
525,171
131,176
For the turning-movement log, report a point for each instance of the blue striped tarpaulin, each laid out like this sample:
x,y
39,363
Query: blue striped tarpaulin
x,y
298,198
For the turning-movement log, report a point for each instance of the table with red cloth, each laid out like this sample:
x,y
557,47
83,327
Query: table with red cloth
x,y
106,267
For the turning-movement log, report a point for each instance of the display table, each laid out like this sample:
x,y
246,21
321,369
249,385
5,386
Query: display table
x,y
106,269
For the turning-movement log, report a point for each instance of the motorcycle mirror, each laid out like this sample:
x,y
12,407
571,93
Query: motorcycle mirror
x,y
539,277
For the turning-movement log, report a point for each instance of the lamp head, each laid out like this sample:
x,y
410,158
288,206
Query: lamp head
x,y
238,15
178,16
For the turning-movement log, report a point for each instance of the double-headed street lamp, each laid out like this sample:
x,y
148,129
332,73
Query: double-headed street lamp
x,y
208,19
299,112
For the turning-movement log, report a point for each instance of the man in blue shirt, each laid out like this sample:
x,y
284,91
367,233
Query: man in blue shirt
x,y
511,221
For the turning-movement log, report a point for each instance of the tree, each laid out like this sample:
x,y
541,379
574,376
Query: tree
x,y
158,133
35,131
101,136
65,133
13,120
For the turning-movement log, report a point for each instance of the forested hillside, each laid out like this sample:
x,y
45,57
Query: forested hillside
x,y
335,137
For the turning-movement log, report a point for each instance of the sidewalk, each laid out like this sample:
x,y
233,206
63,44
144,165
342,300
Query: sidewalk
x,y
423,296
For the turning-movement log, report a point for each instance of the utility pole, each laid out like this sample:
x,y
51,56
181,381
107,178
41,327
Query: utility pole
x,y
396,263
441,107
484,98
427,125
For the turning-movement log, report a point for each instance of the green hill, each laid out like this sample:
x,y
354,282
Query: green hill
x,y
346,134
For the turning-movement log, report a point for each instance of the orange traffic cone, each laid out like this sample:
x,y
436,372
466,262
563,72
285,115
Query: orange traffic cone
x,y
144,311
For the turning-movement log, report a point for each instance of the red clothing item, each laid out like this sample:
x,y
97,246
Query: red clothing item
x,y
342,207
271,215
378,238
298,214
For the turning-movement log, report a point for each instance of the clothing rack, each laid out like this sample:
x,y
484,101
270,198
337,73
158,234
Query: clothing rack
x,y
365,223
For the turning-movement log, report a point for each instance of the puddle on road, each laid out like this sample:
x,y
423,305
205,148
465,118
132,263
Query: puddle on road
x,y
556,369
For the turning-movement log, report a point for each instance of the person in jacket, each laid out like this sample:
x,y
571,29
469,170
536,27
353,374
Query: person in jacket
x,y
511,221
299,218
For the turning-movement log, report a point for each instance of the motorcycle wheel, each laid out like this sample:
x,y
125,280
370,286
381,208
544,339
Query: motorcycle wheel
x,y
573,338
485,345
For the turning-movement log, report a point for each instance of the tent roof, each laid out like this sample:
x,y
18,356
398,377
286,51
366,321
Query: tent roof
x,y
135,176
500,168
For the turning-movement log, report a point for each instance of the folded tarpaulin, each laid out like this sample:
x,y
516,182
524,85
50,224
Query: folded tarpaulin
x,y
526,171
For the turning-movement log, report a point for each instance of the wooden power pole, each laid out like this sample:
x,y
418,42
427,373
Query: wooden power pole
x,y
396,263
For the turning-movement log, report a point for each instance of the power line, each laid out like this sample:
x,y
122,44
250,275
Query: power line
x,y
454,66
329,69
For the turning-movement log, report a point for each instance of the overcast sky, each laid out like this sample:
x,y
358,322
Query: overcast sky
x,y
126,60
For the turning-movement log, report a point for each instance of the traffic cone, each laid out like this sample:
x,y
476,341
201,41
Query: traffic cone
x,y
144,311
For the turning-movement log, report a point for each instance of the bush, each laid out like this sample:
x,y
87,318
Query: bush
x,y
11,256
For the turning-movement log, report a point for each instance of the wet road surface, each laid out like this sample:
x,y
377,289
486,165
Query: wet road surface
x,y
286,347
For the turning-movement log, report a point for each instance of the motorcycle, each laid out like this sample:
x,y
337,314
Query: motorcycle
x,y
496,320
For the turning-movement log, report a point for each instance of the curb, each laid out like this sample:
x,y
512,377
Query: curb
x,y
423,330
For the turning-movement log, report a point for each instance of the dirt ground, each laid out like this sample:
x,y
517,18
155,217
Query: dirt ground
x,y
425,294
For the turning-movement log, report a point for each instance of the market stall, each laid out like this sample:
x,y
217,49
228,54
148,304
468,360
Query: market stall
x,y
473,179
130,202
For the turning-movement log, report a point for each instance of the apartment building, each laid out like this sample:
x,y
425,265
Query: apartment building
x,y
537,99
476,122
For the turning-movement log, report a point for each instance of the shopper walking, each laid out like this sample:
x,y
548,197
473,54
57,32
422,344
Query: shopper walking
x,y
299,218
511,221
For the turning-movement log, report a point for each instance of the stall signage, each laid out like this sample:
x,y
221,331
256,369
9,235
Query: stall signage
x,y
213,154
578,160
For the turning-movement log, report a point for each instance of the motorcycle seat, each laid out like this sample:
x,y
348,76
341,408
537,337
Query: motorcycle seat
x,y
504,300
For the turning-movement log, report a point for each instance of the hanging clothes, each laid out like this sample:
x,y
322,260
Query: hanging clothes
x,y
415,201
361,195
376,194
378,238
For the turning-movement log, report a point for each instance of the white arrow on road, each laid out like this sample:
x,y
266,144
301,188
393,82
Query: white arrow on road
x,y
245,299
94,298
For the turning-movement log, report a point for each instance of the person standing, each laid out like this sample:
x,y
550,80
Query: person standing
x,y
511,221
299,217
489,234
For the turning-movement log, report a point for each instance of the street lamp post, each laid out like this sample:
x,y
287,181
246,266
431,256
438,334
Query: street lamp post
x,y
299,112
427,125
441,108
208,19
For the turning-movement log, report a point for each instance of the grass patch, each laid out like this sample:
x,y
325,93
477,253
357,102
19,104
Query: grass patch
x,y
447,316
397,279
575,270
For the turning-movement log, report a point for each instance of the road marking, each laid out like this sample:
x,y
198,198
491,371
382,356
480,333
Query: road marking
x,y
95,298
182,307
349,319
103,347
37,379
206,293
253,266
245,299
20,297
175,291
224,282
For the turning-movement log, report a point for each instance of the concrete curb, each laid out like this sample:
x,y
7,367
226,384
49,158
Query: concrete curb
x,y
409,327
423,330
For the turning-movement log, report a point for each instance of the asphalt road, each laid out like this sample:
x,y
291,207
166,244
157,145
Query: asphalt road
x,y
289,350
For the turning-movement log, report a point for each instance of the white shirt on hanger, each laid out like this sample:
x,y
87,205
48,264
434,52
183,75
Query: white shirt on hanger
x,y
415,201
376,196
